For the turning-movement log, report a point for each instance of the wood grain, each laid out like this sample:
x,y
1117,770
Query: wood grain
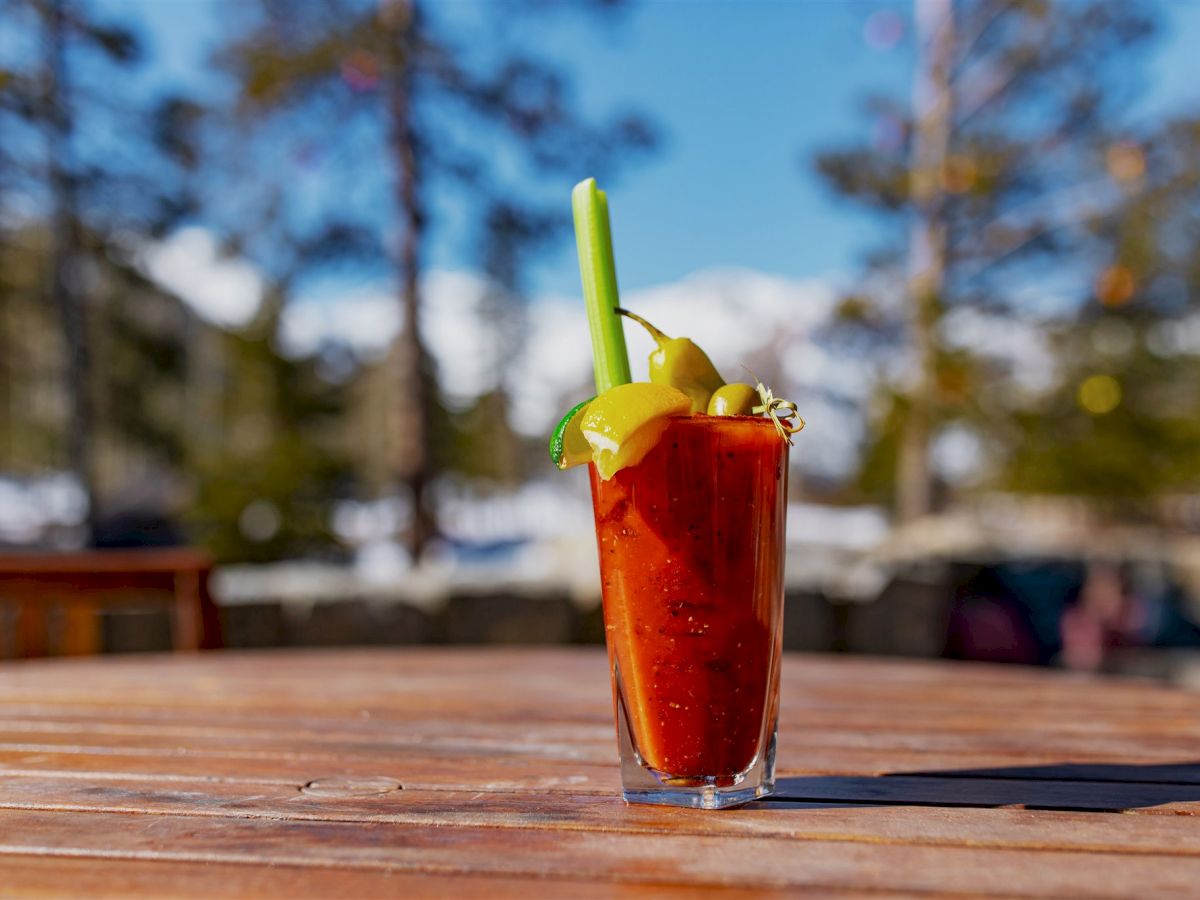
x,y
474,772
102,877
601,856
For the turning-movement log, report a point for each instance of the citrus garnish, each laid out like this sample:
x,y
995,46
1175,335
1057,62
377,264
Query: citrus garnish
x,y
626,421
567,445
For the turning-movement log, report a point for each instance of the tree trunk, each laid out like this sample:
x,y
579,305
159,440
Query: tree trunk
x,y
64,260
413,367
933,114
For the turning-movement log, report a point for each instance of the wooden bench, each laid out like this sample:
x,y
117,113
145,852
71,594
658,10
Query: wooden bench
x,y
79,585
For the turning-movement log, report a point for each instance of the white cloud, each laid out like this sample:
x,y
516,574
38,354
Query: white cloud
x,y
223,290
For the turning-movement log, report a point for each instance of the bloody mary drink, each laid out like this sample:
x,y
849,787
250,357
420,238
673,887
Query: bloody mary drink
x,y
689,488
691,562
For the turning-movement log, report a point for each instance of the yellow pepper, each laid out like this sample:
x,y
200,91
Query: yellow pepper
x,y
679,363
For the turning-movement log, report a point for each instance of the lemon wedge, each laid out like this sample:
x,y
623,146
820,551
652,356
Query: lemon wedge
x,y
624,423
567,446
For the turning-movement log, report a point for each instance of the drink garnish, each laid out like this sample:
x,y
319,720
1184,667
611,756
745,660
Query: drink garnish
x,y
782,413
733,400
597,270
624,423
568,447
680,363
618,427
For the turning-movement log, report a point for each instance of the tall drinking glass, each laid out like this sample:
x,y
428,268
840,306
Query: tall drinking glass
x,y
691,547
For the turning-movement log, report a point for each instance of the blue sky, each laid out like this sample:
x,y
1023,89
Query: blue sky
x,y
745,93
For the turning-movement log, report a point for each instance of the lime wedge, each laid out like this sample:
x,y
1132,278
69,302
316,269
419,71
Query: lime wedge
x,y
567,445
624,423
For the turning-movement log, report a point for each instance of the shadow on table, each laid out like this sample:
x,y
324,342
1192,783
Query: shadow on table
x,y
1084,787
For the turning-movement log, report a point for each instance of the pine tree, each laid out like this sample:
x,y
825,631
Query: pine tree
x,y
265,489
388,87
1120,423
992,178
85,165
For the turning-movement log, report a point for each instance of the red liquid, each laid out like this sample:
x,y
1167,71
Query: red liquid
x,y
691,564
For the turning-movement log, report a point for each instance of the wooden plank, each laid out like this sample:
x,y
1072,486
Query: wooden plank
x,y
95,877
574,665
544,741
438,772
31,625
473,773
815,750
502,674
581,665
556,740
1171,734
479,761
186,627
950,826
847,717
601,857
158,559
552,741
211,636
456,672
80,635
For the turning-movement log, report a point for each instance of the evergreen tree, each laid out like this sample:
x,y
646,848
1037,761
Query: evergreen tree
x,y
388,89
265,487
993,178
1121,420
84,162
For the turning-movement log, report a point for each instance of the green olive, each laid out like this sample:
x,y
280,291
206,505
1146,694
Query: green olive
x,y
679,363
734,400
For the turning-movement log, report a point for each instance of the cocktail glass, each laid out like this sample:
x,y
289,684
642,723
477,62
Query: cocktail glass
x,y
691,545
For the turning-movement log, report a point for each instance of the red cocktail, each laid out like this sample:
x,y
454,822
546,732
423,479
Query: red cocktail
x,y
691,546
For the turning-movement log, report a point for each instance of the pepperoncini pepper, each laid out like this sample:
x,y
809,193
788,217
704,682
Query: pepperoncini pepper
x,y
679,363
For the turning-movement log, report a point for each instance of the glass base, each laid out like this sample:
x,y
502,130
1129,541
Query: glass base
x,y
707,796
642,783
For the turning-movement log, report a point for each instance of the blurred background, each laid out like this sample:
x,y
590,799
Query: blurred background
x,y
295,283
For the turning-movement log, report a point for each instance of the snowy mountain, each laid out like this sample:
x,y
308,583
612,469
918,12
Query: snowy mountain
x,y
744,319
747,320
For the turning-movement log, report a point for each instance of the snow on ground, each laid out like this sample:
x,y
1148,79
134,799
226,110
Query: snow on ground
x,y
189,263
31,509
542,534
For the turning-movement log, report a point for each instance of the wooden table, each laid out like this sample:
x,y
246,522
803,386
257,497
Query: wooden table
x,y
81,583
492,773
